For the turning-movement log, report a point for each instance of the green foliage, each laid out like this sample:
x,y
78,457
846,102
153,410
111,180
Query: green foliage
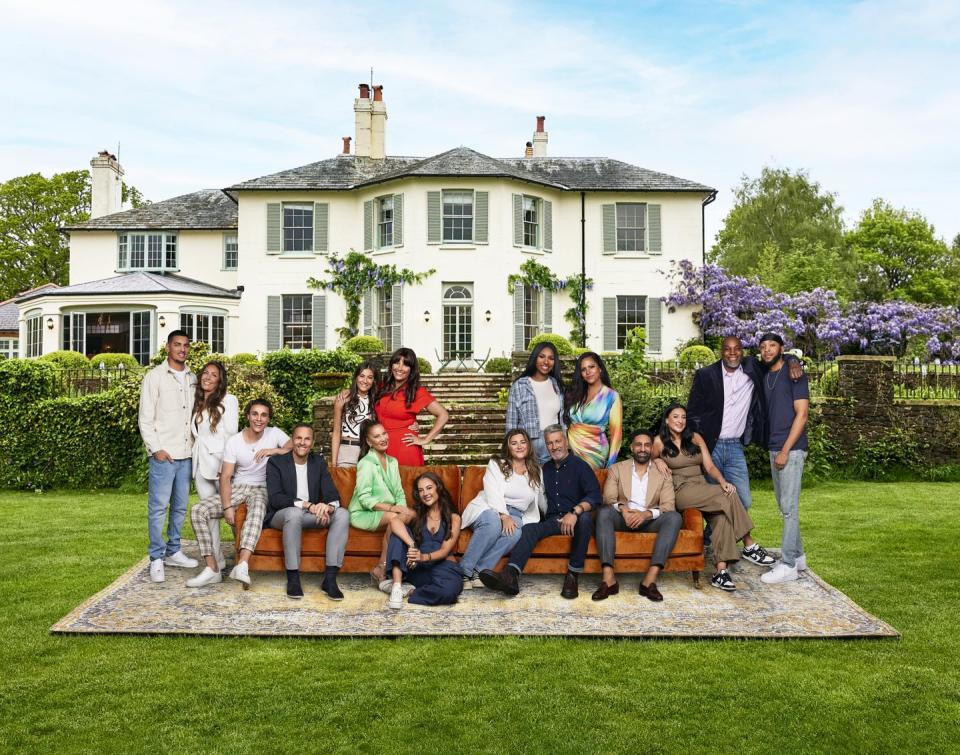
x,y
291,375
563,345
533,274
250,382
830,381
112,361
355,274
577,286
697,355
198,356
66,360
425,367
25,381
886,458
808,265
634,355
541,277
364,345
503,396
498,365
244,358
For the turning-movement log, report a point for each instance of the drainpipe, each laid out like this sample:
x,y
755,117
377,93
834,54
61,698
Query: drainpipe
x,y
583,262
703,226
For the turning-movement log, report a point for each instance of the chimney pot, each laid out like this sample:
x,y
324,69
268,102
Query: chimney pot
x,y
364,91
378,93
346,144
540,120
528,151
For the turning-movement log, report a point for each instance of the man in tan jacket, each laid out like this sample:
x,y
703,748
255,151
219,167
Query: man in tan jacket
x,y
636,498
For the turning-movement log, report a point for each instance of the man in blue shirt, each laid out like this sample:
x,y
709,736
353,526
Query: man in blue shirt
x,y
572,492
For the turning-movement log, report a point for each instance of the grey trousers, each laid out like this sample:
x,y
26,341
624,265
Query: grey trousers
x,y
293,521
609,521
786,487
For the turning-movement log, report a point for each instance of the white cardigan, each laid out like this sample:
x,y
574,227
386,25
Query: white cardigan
x,y
208,445
491,497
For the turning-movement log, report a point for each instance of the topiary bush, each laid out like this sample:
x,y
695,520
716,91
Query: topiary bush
x,y
425,367
196,357
112,361
564,347
364,345
694,356
498,365
66,360
244,358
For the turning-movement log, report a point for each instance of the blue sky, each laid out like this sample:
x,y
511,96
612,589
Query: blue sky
x,y
204,94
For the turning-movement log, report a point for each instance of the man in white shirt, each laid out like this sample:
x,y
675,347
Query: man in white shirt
x,y
636,498
243,479
166,404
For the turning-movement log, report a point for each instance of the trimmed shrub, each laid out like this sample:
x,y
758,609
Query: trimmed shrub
x,y
692,356
291,375
425,367
364,345
24,381
112,361
196,357
830,381
564,347
244,358
498,365
66,360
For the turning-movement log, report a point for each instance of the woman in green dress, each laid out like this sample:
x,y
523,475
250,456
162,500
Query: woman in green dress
x,y
378,495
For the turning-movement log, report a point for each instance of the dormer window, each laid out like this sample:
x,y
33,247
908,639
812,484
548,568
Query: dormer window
x,y
152,251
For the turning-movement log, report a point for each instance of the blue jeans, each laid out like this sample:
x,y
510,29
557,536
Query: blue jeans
x,y
540,449
786,486
488,544
169,486
729,458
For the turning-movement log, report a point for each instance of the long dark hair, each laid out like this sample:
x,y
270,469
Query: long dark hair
x,y
686,436
353,394
531,367
444,501
409,358
365,428
577,392
213,402
504,458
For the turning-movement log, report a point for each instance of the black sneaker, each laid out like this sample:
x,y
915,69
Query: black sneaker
x,y
757,555
722,581
332,589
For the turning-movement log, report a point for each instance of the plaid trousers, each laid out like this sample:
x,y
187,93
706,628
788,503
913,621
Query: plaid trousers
x,y
211,508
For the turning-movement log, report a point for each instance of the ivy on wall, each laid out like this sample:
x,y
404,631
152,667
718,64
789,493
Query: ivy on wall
x,y
541,277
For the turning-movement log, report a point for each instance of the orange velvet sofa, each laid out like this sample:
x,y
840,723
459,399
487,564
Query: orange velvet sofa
x,y
634,549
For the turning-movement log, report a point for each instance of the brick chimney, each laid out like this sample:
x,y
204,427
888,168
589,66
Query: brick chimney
x,y
378,131
540,138
363,109
106,185
346,145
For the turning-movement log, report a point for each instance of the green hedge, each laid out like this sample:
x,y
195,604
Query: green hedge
x,y
696,355
564,347
25,381
291,375
364,345
498,365
66,360
113,360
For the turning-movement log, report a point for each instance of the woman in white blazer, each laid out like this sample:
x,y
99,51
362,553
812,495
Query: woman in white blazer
x,y
216,416
512,496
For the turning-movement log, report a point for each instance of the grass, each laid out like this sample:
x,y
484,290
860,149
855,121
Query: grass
x,y
891,547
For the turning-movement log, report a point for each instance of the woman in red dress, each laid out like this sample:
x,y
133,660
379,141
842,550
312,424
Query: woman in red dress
x,y
400,401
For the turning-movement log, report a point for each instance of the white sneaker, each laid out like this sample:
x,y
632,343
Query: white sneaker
x,y
396,597
156,570
801,562
386,585
207,577
181,560
407,588
241,573
780,573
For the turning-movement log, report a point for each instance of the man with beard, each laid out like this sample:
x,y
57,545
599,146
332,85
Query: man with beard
x,y
788,404
636,498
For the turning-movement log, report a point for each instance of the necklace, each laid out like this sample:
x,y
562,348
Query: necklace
x,y
766,379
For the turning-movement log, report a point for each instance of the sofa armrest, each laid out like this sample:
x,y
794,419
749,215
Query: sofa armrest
x,y
693,520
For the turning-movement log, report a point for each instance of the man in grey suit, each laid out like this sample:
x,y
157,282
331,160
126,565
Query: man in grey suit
x,y
301,494
636,498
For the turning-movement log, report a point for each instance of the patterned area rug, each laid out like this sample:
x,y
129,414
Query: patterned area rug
x,y
808,607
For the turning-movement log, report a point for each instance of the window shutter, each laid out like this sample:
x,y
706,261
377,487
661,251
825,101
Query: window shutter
x,y
274,322
368,225
654,324
321,219
434,230
396,327
398,219
518,220
654,244
547,311
319,336
518,344
609,229
274,228
547,225
610,323
368,329
481,200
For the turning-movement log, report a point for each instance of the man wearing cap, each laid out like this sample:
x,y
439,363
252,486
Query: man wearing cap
x,y
788,405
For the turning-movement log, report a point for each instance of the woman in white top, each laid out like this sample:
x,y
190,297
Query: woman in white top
x,y
536,398
216,417
350,409
512,496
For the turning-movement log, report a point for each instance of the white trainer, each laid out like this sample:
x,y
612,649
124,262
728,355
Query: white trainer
x,y
801,562
386,585
407,588
396,597
207,577
780,573
241,573
156,570
182,560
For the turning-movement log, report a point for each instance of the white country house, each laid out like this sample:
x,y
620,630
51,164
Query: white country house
x,y
231,266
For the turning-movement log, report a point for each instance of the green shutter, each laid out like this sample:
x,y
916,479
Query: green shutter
x,y
368,329
518,220
274,322
518,344
654,324
547,225
321,222
609,229
481,202
548,311
434,220
319,335
368,225
398,219
655,245
610,323
274,228
396,327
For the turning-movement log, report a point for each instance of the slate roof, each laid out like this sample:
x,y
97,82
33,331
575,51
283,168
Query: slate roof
x,y
209,209
137,283
9,317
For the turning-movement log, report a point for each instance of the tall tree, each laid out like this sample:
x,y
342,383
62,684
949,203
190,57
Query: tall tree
x,y
32,209
777,216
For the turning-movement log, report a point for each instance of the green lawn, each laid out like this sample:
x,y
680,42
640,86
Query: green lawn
x,y
891,547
